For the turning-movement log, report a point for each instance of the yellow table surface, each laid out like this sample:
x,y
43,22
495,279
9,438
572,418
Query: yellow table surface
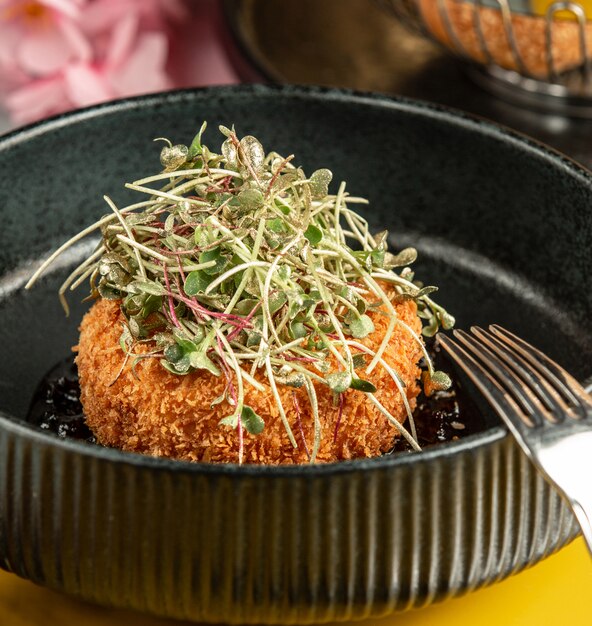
x,y
556,591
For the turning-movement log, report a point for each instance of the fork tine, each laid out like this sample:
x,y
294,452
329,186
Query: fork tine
x,y
531,408
504,404
561,380
535,385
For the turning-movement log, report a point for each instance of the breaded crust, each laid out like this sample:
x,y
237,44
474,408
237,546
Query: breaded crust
x,y
163,414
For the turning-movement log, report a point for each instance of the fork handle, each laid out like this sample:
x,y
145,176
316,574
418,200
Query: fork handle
x,y
583,513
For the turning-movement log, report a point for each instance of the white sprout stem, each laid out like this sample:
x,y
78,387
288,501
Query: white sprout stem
x,y
357,200
278,400
391,277
247,275
265,298
253,381
170,175
393,321
287,346
231,272
346,364
330,312
372,284
347,304
237,371
81,269
241,392
81,235
267,286
190,267
395,423
337,211
138,247
244,250
271,379
368,240
173,269
327,253
357,234
83,277
375,288
314,405
163,194
396,379
251,355
130,235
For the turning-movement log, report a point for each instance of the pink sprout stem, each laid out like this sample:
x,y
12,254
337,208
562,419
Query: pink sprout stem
x,y
299,422
170,297
339,416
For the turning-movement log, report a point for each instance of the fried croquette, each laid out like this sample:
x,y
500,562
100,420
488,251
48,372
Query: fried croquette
x,y
148,410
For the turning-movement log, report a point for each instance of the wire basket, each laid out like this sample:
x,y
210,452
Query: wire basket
x,y
528,51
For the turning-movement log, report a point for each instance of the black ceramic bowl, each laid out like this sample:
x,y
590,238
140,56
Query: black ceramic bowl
x,y
502,225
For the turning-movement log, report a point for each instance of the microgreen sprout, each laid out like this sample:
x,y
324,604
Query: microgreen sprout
x,y
238,262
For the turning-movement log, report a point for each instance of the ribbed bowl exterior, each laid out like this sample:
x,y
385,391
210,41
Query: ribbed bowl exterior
x,y
271,547
223,543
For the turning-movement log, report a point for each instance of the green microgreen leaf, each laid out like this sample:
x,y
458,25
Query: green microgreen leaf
x,y
313,234
230,420
244,307
250,199
360,384
319,183
252,152
446,320
292,379
359,360
284,208
440,380
298,330
195,147
218,400
146,286
361,327
172,157
221,261
284,272
252,422
173,353
405,257
109,292
377,257
200,361
151,305
425,291
339,381
276,225
196,282
182,366
277,301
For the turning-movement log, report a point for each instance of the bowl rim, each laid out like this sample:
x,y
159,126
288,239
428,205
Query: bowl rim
x,y
492,435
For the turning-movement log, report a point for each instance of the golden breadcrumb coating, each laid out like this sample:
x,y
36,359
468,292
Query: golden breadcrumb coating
x,y
163,414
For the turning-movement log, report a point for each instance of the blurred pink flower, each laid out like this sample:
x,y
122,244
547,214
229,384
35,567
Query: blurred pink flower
x,y
57,55
39,38
138,69
101,15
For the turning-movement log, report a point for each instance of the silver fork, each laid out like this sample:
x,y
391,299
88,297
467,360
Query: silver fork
x,y
545,408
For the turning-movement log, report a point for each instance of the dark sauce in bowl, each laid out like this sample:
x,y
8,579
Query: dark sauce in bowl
x,y
444,416
56,404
